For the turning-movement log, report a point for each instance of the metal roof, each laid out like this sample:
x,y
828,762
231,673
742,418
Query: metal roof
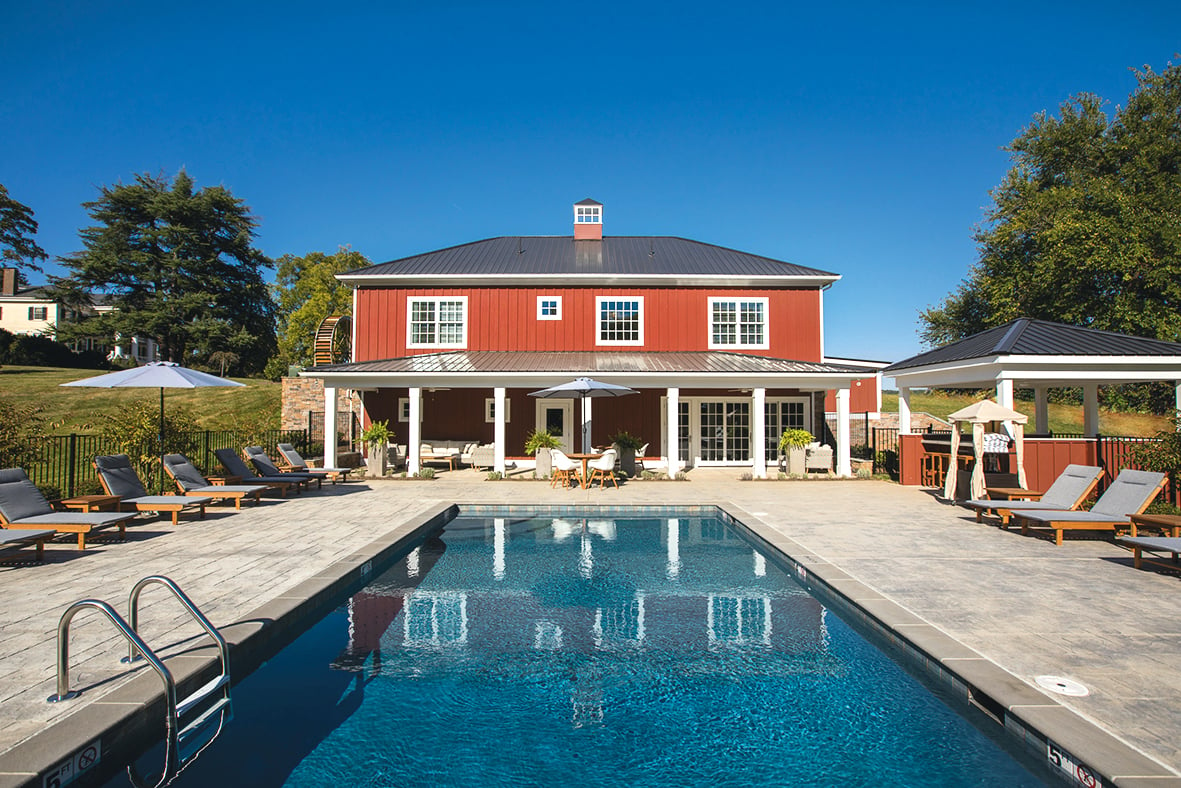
x,y
516,361
588,201
613,257
1027,337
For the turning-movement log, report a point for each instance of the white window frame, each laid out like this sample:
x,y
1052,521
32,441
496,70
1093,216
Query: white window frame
x,y
404,410
436,300
588,214
599,321
38,313
490,410
541,300
709,319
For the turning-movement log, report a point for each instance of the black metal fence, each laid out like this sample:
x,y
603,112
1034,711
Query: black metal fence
x,y
66,462
348,427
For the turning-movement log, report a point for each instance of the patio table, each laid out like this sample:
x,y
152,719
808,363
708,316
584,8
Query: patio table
x,y
1170,524
584,456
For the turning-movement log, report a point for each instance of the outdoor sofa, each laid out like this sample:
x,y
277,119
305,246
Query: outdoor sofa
x,y
190,482
1130,493
118,477
1067,493
22,505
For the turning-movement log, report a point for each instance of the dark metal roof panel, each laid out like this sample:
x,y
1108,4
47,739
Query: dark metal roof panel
x,y
612,256
495,361
1027,337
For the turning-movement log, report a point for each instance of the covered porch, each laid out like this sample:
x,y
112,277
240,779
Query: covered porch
x,y
724,409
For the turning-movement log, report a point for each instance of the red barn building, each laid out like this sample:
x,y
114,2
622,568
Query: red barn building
x,y
725,348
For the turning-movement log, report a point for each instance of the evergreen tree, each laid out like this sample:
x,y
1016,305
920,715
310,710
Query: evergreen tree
x,y
179,267
17,228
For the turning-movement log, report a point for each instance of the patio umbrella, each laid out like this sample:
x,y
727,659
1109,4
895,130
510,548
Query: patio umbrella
x,y
156,374
584,389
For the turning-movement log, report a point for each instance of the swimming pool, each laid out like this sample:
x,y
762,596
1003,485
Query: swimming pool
x,y
589,649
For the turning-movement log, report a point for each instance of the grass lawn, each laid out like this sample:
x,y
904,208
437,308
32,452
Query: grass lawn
x,y
82,409
1063,418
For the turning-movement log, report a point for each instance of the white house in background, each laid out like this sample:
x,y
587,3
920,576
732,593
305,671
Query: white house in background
x,y
32,310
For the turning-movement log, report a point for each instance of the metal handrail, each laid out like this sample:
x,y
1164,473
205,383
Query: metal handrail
x,y
133,614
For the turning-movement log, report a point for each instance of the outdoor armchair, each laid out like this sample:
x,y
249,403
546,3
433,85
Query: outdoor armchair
x,y
235,466
1129,494
295,462
267,469
23,506
1067,493
118,477
565,469
190,482
603,469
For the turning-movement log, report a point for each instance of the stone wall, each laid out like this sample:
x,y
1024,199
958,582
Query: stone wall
x,y
302,396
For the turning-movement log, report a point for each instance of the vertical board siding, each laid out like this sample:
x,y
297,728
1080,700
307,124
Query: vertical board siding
x,y
506,319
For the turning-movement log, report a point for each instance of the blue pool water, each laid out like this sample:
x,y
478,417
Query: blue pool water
x,y
591,651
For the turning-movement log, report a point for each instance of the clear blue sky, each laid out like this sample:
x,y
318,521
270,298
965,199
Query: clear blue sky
x,y
860,138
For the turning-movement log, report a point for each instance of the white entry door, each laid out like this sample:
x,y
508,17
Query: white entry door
x,y
557,416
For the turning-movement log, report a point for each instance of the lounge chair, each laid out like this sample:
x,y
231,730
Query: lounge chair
x,y
238,468
118,477
12,539
290,457
1153,545
23,506
190,482
1067,493
1129,494
267,469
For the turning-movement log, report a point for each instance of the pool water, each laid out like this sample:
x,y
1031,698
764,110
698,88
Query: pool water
x,y
519,651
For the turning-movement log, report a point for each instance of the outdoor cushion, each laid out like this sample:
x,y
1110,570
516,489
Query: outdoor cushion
x,y
185,473
19,497
119,477
1067,492
299,463
262,463
21,503
1129,494
11,539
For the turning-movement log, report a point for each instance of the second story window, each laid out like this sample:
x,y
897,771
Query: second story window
x,y
620,321
38,313
437,322
738,323
549,307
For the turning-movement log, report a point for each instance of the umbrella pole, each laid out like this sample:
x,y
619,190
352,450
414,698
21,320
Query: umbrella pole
x,y
161,484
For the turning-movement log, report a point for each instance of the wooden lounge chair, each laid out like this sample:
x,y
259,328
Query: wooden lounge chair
x,y
1073,486
1129,494
1153,545
12,539
267,469
22,506
118,477
235,466
190,482
292,459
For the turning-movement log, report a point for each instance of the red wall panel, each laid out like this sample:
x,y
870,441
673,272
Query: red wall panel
x,y
506,319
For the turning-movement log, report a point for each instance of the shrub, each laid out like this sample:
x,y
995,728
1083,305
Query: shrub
x,y
38,351
377,432
135,431
21,434
494,476
1162,454
795,439
626,440
541,439
425,473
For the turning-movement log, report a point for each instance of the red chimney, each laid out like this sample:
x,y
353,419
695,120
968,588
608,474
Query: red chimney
x,y
8,281
588,220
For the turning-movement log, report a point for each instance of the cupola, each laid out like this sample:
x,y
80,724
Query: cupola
x,y
588,220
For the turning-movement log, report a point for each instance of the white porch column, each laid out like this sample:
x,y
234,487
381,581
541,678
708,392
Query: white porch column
x,y
498,430
672,429
1041,410
1177,400
1090,409
844,465
329,427
903,411
414,438
1004,393
758,441
586,425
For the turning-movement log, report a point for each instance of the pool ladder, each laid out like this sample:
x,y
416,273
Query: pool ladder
x,y
194,706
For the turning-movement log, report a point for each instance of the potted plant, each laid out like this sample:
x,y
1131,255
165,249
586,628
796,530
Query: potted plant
x,y
377,438
539,443
792,443
626,444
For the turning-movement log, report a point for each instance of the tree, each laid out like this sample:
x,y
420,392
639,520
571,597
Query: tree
x,y
179,267
1085,228
17,228
307,291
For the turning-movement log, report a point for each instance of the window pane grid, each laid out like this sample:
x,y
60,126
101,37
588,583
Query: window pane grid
x,y
437,322
619,321
738,323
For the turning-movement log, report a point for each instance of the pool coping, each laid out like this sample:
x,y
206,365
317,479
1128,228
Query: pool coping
x,y
118,723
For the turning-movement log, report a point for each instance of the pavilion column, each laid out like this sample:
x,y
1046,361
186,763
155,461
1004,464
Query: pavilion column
x,y
329,427
1090,409
1004,393
758,402
498,406
586,424
844,464
903,410
1177,401
414,438
1041,410
672,429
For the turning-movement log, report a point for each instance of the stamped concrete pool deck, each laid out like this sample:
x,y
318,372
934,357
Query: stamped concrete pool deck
x,y
1080,611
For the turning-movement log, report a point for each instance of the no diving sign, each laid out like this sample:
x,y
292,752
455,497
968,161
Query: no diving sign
x,y
75,766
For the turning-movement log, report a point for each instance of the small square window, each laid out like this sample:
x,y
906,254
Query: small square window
x,y
549,307
404,409
490,410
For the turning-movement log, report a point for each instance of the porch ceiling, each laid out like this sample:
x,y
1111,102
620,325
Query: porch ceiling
x,y
515,369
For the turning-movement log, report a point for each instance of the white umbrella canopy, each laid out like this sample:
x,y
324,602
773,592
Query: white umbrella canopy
x,y
584,389
978,414
156,374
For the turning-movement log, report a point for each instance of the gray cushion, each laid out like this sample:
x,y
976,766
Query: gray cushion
x,y
12,538
120,478
19,497
292,456
1129,493
233,463
1070,485
185,473
95,519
